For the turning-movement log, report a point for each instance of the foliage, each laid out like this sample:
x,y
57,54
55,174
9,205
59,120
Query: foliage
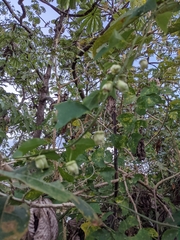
x,y
89,119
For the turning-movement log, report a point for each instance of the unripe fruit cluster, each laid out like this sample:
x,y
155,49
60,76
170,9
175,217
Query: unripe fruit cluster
x,y
118,84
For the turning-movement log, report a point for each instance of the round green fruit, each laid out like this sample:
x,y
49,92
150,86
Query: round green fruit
x,y
107,87
41,162
72,167
99,137
115,69
121,86
143,64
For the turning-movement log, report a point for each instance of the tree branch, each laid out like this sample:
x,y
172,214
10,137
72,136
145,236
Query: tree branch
x,y
16,17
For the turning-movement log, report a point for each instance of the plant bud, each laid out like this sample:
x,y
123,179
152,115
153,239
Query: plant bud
x,y
99,137
107,87
143,64
121,86
115,69
72,167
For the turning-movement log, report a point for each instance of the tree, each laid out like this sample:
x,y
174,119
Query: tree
x,y
105,79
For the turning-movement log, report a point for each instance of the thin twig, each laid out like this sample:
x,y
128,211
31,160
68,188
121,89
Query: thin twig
x,y
133,203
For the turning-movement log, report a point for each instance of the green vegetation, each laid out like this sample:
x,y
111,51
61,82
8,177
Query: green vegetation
x,y
102,77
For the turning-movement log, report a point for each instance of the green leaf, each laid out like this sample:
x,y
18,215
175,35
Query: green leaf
x,y
66,176
119,141
98,158
176,218
28,146
68,111
175,103
133,141
152,232
32,195
86,210
56,190
146,102
130,221
73,152
126,119
152,89
107,174
129,98
96,207
101,234
14,220
139,123
162,20
50,154
170,234
141,235
92,101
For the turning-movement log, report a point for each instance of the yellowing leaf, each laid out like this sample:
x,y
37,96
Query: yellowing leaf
x,y
88,228
76,123
152,232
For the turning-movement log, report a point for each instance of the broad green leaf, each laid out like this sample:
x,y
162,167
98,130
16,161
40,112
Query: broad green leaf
x,y
14,221
152,89
98,158
163,20
175,103
107,174
176,217
170,234
119,141
64,4
101,234
50,154
130,221
169,6
115,37
86,210
126,119
141,235
140,123
73,152
129,98
68,111
66,176
145,102
133,141
92,101
56,190
28,146
174,27
96,207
